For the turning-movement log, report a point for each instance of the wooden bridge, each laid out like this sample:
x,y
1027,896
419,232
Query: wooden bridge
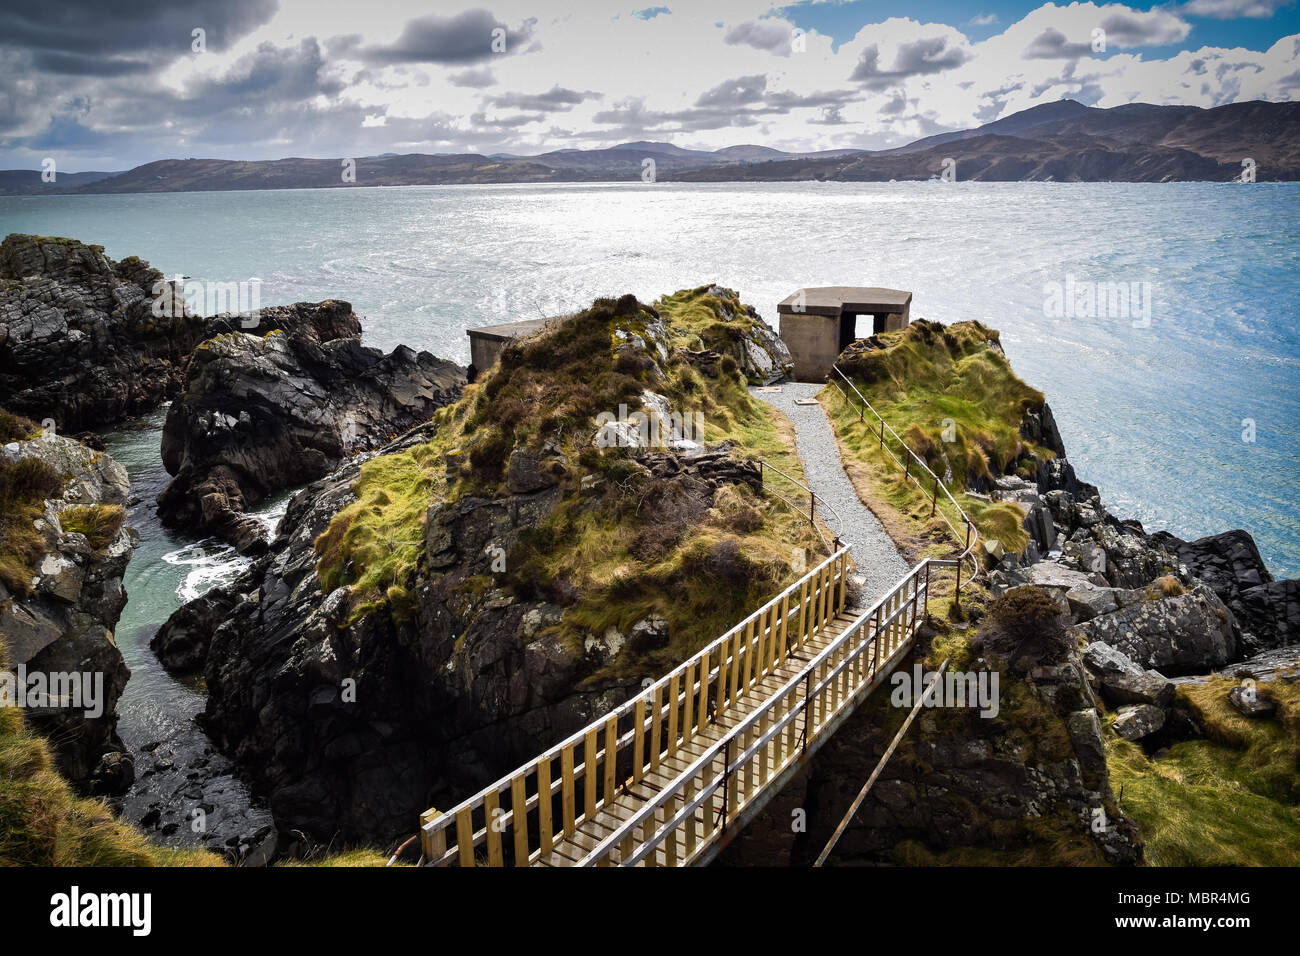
x,y
669,777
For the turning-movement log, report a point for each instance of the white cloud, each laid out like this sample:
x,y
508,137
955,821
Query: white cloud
x,y
699,78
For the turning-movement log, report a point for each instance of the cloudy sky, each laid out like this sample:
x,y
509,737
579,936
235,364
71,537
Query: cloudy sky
x,y
109,84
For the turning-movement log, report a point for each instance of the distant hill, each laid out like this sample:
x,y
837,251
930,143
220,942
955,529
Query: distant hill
x,y
1064,141
1069,142
27,182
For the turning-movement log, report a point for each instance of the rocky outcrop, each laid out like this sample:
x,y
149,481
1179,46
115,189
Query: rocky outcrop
x,y
1178,634
80,342
1034,775
1266,611
60,630
351,730
261,413
1179,607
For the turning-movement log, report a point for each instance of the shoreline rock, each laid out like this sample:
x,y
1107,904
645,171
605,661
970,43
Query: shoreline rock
x,y
79,341
65,625
262,413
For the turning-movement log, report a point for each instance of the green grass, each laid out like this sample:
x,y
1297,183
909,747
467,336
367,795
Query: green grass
x,y
16,428
1230,800
25,484
956,402
99,523
611,556
44,823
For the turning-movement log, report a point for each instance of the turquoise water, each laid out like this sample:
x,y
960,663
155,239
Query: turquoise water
x,y
1152,411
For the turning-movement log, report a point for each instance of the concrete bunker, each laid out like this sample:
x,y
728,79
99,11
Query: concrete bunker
x,y
818,323
486,342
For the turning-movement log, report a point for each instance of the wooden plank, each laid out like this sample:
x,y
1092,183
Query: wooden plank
x,y
492,813
803,614
544,805
638,740
465,836
688,704
656,711
702,705
432,844
785,624
737,692
519,823
749,654
566,789
589,774
611,757
672,714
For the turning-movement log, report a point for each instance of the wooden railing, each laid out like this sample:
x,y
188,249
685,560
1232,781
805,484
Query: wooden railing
x,y
689,817
521,818
914,467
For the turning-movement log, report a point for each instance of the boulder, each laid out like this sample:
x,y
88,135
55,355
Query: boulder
x,y
1252,703
1135,721
1121,681
1182,634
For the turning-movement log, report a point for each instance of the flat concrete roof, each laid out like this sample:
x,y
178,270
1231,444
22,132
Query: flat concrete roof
x,y
511,330
836,299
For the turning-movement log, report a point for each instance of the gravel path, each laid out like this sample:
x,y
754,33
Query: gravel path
x,y
877,558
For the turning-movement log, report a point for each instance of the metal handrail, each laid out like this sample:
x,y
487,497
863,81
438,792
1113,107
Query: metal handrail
x,y
764,464
972,532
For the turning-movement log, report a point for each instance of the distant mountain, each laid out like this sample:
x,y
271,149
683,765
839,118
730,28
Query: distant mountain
x,y
1069,142
1064,141
27,182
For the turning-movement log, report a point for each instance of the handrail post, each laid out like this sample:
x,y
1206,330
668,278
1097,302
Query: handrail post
x,y
726,781
807,708
934,500
926,610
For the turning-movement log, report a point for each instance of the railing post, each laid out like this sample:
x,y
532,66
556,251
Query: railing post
x,y
807,708
726,782
812,508
934,500
926,610
432,844
882,432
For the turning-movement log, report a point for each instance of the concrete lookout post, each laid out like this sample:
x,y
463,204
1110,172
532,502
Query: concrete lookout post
x,y
818,323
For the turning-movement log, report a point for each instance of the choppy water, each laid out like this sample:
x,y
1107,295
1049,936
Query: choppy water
x,y
1152,413
177,772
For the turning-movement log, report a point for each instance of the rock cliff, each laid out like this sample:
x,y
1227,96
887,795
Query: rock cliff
x,y
61,620
259,413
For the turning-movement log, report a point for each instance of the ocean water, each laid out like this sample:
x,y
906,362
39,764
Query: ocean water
x,y
1186,413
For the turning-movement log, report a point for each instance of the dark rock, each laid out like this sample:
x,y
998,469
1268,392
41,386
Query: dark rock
x,y
260,414
1122,681
1135,721
1252,703
1183,634
79,340
65,625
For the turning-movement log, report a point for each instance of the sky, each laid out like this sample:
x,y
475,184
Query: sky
x,y
111,84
